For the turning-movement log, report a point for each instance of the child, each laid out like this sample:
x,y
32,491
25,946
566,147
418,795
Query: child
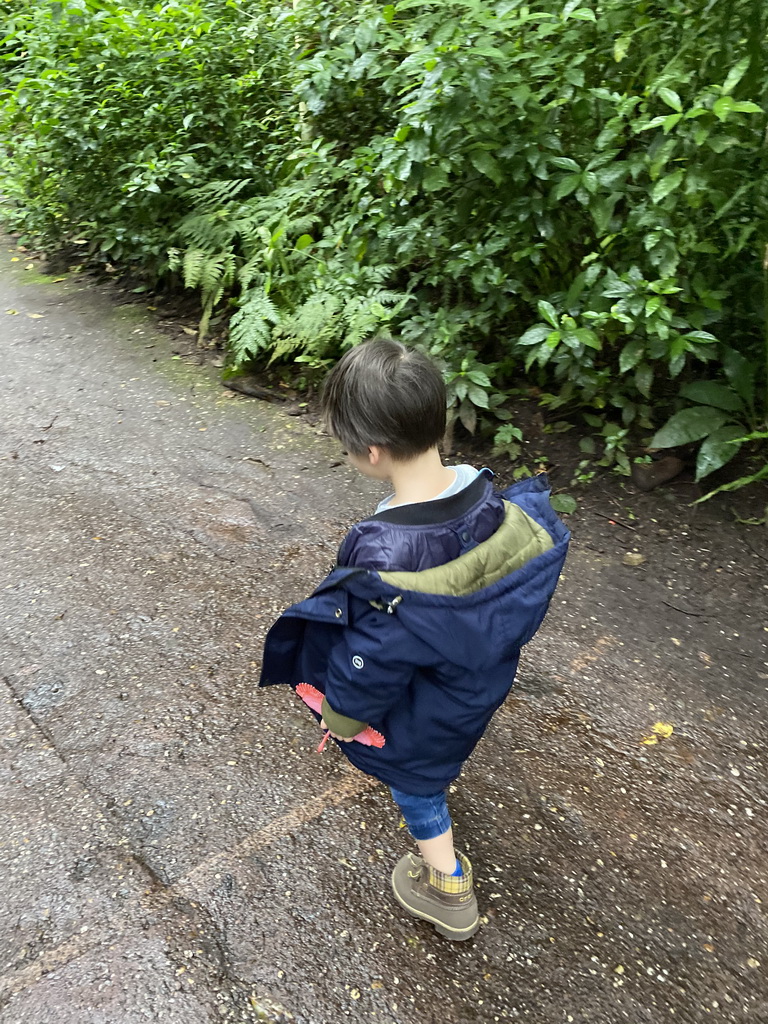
x,y
418,629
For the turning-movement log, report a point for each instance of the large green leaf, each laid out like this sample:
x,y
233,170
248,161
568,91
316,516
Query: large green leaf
x,y
644,379
735,485
711,392
587,337
565,164
631,354
666,185
741,375
435,178
717,449
567,185
621,48
535,335
547,312
671,98
468,415
487,164
735,75
480,377
477,396
565,504
688,426
727,104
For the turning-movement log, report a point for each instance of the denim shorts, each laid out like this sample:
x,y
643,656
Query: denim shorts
x,y
426,816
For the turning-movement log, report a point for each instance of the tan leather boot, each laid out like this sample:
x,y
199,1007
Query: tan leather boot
x,y
446,901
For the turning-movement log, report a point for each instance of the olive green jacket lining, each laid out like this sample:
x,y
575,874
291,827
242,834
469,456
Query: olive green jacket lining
x,y
518,540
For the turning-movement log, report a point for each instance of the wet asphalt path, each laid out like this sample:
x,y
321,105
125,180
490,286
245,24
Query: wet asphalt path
x,y
172,849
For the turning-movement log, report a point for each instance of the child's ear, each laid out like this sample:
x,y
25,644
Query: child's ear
x,y
374,454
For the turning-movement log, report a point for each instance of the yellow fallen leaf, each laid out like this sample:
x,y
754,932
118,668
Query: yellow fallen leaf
x,y
633,558
30,266
12,312
15,259
377,984
36,316
663,729
649,741
189,330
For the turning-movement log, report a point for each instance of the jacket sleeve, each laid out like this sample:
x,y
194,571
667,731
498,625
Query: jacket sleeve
x,y
340,725
369,671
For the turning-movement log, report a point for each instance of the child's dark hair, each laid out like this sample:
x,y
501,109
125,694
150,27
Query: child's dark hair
x,y
382,393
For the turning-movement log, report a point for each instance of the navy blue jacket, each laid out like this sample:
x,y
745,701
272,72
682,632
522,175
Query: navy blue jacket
x,y
418,631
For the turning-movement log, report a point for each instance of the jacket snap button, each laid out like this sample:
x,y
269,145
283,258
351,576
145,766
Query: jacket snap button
x,y
338,613
465,536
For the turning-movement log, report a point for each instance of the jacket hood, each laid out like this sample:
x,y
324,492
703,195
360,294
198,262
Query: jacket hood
x,y
487,602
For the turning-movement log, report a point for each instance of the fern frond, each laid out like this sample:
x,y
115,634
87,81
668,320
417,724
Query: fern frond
x,y
377,275
251,273
312,325
209,231
222,219
193,262
283,347
387,297
301,225
366,314
362,322
250,329
217,274
214,194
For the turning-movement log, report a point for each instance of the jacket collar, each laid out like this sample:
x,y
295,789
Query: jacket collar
x,y
441,510
518,540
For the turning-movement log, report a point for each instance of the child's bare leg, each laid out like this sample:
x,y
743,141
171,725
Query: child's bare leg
x,y
439,852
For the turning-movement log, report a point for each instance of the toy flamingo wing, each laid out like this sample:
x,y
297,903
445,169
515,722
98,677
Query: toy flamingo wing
x,y
313,698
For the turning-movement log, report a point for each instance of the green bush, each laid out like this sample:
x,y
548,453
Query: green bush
x,y
575,192
116,111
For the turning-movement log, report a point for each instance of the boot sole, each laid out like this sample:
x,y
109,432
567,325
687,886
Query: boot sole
x,y
454,934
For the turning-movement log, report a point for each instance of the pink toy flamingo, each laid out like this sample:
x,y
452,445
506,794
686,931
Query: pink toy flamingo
x,y
314,699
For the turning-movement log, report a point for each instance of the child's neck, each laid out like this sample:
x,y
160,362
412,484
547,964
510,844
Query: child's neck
x,y
420,479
